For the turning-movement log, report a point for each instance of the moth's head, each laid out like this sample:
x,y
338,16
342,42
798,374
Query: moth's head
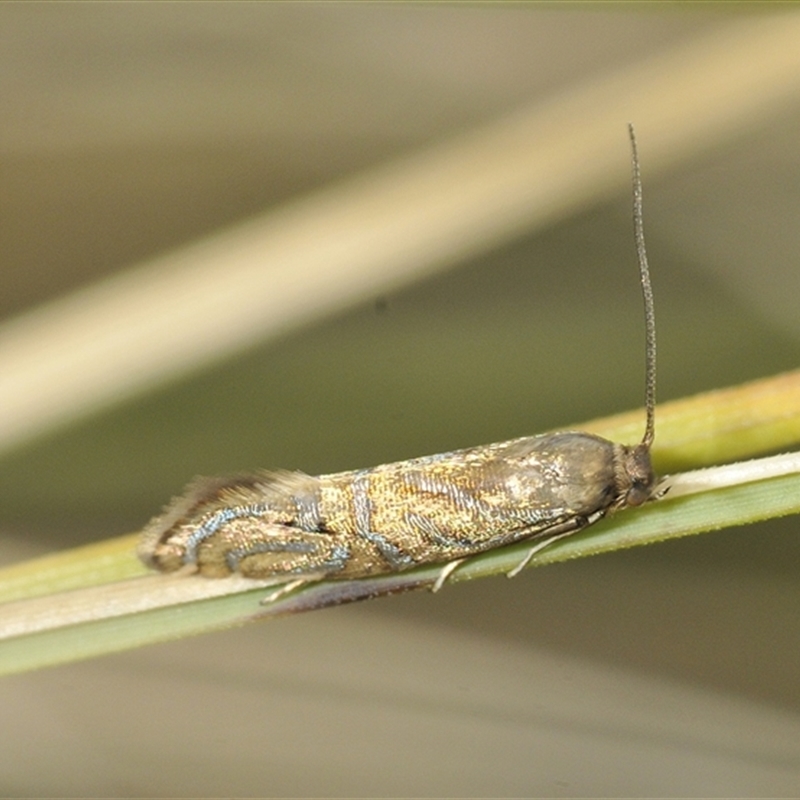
x,y
635,477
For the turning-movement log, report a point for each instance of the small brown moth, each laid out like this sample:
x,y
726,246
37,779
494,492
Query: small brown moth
x,y
438,509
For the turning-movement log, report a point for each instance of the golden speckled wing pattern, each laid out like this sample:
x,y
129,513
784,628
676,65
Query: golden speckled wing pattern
x,y
434,509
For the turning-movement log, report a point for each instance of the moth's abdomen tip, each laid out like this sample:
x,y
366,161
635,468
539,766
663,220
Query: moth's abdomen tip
x,y
160,555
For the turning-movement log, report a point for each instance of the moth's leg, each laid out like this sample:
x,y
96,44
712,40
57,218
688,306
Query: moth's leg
x,y
534,550
551,535
288,588
554,533
446,571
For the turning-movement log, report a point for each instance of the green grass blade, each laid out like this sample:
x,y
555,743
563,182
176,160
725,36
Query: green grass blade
x,y
99,598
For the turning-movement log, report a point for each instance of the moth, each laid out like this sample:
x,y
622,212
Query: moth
x,y
439,509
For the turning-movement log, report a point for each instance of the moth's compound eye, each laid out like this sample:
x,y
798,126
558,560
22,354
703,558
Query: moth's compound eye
x,y
638,494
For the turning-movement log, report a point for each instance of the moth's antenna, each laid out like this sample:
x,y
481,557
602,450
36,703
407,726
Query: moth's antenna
x,y
647,294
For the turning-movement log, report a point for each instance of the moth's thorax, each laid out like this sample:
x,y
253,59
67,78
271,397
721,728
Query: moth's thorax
x,y
584,472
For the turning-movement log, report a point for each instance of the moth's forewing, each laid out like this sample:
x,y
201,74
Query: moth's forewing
x,y
393,517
